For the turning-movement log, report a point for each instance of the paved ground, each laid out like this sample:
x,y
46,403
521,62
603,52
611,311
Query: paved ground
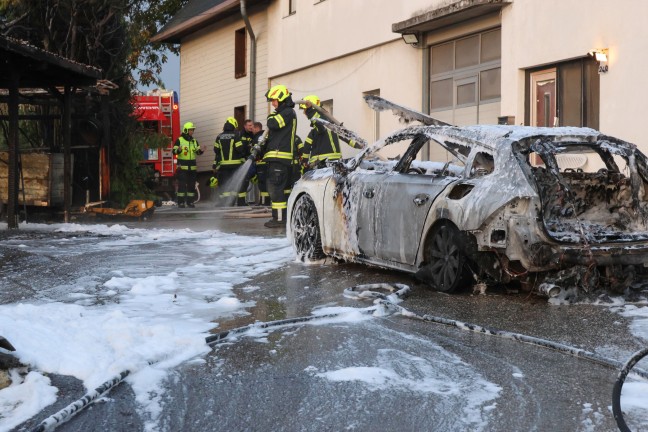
x,y
276,384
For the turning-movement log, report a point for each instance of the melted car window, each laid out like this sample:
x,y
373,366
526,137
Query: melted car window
x,y
482,165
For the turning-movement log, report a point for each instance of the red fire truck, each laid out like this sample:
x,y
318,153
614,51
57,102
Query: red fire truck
x,y
158,111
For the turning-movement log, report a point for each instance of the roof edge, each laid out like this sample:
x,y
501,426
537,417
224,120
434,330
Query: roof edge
x,y
21,47
456,8
172,35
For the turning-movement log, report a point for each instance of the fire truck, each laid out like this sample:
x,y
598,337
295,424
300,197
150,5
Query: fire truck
x,y
158,112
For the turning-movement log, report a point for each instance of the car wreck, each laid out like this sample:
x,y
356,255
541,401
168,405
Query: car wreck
x,y
547,209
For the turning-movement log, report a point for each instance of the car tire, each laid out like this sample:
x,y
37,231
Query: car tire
x,y
304,224
448,265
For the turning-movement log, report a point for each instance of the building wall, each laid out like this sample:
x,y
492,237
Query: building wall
x,y
328,29
207,84
346,79
536,33
339,50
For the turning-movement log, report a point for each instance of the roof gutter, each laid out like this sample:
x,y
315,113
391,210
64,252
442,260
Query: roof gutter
x,y
253,49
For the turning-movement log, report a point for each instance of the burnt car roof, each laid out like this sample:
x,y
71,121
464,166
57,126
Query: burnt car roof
x,y
492,136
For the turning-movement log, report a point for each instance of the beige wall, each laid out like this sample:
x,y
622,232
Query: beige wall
x,y
340,49
535,33
324,30
346,79
207,84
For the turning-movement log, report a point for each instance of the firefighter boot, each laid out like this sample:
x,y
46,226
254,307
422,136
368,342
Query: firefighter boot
x,y
275,222
181,203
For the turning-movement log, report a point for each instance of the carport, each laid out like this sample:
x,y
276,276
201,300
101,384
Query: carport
x,y
24,66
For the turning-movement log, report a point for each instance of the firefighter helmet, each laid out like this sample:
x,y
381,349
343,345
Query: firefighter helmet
x,y
232,121
187,126
278,92
213,182
312,99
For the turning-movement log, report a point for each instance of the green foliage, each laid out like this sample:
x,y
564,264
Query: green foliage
x,y
146,18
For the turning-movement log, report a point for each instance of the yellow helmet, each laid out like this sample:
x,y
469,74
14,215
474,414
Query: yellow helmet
x,y
213,182
187,126
232,121
278,92
312,99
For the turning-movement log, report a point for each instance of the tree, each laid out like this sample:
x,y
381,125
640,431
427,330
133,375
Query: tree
x,y
113,36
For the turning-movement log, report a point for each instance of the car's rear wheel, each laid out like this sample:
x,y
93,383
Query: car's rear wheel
x,y
304,224
448,268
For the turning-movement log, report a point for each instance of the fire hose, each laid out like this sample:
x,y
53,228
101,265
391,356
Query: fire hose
x,y
618,385
384,304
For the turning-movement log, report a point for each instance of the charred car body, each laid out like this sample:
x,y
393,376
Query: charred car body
x,y
508,208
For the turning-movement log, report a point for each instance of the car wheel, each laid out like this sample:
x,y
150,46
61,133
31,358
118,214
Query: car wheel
x,y
304,223
448,267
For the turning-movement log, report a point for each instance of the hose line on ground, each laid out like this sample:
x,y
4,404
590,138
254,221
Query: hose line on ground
x,y
618,385
384,304
75,407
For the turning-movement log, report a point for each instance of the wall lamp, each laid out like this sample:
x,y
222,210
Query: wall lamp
x,y
411,39
601,55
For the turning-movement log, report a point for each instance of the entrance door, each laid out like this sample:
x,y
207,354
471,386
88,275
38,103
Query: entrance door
x,y
543,98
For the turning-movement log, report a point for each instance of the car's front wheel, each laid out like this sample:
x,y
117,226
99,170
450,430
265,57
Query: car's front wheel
x,y
304,224
448,269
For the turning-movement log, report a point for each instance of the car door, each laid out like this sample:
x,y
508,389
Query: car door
x,y
350,216
405,202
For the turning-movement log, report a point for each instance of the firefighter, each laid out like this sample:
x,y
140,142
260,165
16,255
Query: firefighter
x,y
230,154
321,143
186,148
248,134
261,166
280,150
296,165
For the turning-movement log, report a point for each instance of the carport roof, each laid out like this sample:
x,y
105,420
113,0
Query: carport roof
x,y
449,14
196,15
39,68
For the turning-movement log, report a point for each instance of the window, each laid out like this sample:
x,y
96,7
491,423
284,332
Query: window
x,y
375,117
292,6
327,105
240,51
466,71
239,115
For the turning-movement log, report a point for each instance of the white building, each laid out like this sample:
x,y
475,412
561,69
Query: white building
x,y
471,61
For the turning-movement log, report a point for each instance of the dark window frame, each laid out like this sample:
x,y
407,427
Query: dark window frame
x,y
240,53
588,87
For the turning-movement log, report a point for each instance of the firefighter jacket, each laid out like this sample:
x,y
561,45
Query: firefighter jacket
x,y
282,126
246,139
228,148
255,140
186,148
322,143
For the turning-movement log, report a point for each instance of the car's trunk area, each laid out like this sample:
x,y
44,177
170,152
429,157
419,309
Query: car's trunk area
x,y
586,207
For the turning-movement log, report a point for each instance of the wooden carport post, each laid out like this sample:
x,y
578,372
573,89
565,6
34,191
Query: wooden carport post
x,y
12,198
67,165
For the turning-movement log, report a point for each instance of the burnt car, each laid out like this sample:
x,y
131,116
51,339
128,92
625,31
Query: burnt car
x,y
545,208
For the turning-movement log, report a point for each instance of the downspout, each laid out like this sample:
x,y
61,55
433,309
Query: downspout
x,y
253,47
425,87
